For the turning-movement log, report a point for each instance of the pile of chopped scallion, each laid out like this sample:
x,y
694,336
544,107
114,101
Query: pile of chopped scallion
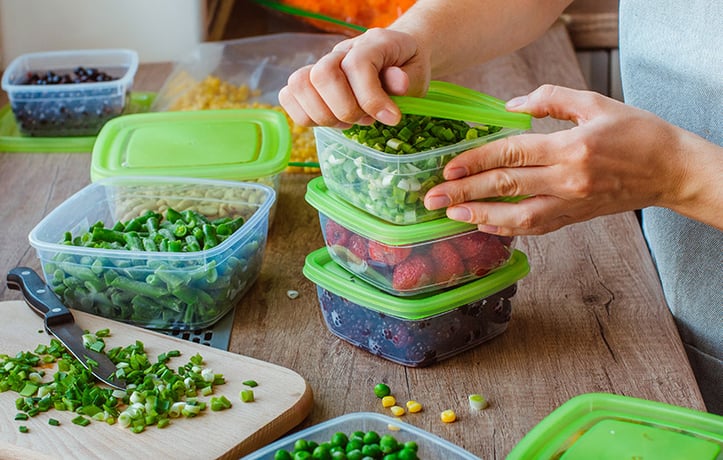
x,y
155,393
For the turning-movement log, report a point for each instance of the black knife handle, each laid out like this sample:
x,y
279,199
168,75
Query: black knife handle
x,y
38,295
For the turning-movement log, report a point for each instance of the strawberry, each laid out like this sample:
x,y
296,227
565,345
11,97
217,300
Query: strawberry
x,y
389,255
471,244
335,234
493,254
412,273
448,263
357,245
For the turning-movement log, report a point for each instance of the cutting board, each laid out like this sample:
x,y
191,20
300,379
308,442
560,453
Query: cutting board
x,y
282,400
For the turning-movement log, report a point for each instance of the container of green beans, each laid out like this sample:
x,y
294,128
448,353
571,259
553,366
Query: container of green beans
x,y
168,253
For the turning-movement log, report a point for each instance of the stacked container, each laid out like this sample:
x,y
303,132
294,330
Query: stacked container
x,y
397,280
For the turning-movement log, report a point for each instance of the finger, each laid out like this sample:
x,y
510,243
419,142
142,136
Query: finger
x,y
514,151
559,102
499,182
534,216
293,109
333,87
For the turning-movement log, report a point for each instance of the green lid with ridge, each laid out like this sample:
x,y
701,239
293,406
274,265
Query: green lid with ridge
x,y
374,228
610,427
228,144
323,271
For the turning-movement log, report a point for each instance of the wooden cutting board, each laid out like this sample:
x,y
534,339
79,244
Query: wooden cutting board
x,y
282,400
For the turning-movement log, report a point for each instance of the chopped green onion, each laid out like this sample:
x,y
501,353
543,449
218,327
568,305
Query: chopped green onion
x,y
80,420
247,396
250,383
23,429
54,422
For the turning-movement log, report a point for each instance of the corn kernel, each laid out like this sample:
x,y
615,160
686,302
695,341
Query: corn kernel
x,y
388,401
413,406
397,411
448,416
392,427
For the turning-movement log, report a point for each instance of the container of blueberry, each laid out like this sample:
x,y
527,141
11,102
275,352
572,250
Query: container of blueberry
x,y
69,93
405,260
374,169
420,330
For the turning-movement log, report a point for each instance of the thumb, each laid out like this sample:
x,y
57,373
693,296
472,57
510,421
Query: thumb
x,y
557,102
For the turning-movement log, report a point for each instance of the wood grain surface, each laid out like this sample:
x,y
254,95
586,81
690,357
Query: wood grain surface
x,y
282,400
590,317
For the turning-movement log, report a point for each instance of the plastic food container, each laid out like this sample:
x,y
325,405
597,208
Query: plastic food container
x,y
429,445
388,186
414,331
248,145
69,109
156,290
405,260
247,73
610,427
263,64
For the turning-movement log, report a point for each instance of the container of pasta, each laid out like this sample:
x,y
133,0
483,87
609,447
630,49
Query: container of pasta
x,y
246,145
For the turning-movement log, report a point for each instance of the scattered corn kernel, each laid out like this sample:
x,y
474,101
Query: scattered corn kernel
x,y
397,411
414,406
477,402
388,401
392,427
448,416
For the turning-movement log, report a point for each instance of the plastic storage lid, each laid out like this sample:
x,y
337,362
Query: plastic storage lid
x,y
322,270
229,144
607,426
373,228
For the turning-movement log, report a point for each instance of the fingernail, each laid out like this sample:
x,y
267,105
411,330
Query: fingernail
x,y
516,102
436,202
387,117
459,213
488,228
454,173
366,121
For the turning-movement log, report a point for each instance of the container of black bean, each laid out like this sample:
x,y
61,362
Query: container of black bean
x,y
71,92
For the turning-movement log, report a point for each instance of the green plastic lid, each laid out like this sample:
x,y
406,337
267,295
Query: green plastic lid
x,y
229,144
322,270
373,228
607,427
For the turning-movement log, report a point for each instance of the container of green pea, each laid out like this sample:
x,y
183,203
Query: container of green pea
x,y
170,253
362,435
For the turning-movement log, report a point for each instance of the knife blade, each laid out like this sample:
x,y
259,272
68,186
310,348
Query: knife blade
x,y
59,322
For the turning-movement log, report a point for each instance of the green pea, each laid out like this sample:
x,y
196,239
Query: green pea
x,y
381,390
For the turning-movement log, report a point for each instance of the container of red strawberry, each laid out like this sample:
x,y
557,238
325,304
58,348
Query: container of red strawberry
x,y
405,260
419,330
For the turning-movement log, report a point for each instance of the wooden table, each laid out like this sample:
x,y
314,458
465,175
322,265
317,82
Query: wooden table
x,y
590,317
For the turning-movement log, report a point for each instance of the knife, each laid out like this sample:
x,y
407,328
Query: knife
x,y
60,323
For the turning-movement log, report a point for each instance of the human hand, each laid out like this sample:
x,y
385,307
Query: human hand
x,y
617,158
352,83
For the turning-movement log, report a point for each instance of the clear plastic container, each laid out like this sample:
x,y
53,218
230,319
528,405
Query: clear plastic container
x,y
69,109
420,330
156,290
405,260
610,427
429,445
247,145
388,186
263,64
